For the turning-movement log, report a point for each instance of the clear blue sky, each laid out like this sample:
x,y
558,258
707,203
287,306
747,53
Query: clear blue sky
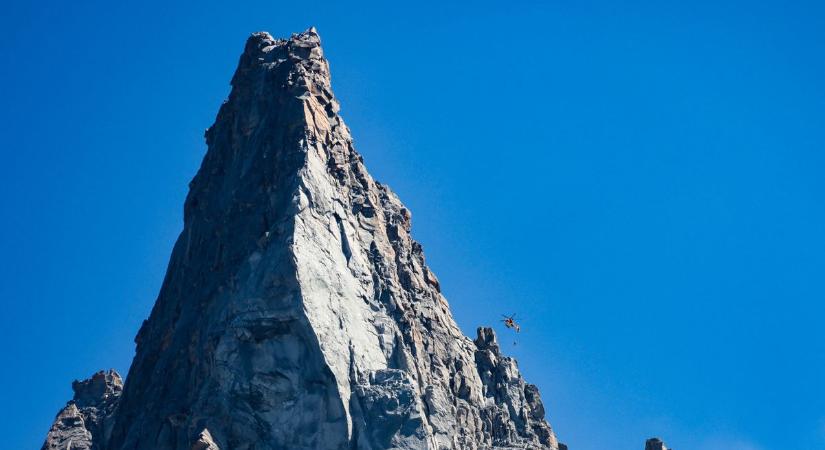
x,y
642,183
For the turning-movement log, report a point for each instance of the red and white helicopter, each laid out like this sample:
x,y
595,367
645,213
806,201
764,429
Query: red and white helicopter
x,y
510,322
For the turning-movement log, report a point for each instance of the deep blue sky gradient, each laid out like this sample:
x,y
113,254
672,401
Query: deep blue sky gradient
x,y
642,183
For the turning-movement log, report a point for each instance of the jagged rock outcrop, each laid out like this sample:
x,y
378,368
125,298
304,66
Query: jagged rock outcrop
x,y
85,422
297,311
204,441
655,444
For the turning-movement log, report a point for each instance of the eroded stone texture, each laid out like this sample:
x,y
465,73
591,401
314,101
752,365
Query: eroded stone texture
x,y
297,311
514,407
85,422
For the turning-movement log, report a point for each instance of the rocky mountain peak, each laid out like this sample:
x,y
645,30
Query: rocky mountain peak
x,y
101,387
86,421
297,311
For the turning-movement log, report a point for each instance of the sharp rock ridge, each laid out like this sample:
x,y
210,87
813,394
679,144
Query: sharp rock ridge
x,y
85,423
297,311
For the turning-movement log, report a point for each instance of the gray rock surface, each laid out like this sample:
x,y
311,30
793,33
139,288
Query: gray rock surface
x,y
86,421
204,441
297,311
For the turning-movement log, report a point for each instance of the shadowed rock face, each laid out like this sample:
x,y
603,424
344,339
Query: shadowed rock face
x,y
297,312
655,444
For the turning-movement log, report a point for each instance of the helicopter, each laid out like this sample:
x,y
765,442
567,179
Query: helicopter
x,y
510,322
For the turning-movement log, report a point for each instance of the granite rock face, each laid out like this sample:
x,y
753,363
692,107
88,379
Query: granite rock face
x,y
86,421
297,311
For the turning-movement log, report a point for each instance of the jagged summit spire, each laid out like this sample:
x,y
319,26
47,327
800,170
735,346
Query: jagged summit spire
x,y
297,310
86,420
262,49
